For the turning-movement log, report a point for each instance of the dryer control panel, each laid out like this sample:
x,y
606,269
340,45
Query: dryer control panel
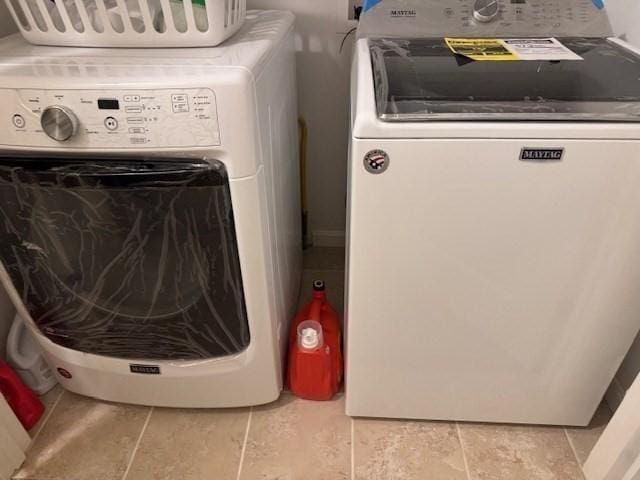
x,y
109,119
482,18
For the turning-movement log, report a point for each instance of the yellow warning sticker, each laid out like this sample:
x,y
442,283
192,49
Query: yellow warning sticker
x,y
506,49
481,49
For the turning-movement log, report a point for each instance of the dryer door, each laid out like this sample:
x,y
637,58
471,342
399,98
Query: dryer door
x,y
125,258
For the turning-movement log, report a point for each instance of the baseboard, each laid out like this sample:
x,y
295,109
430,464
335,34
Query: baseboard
x,y
329,238
614,394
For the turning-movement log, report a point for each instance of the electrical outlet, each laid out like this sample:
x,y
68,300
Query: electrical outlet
x,y
346,15
355,6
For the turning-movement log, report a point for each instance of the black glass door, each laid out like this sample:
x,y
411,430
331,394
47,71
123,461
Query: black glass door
x,y
125,258
421,79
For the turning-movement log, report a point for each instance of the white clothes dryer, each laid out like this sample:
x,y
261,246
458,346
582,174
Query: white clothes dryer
x,y
150,214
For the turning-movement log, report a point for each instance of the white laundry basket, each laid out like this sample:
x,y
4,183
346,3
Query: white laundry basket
x,y
128,23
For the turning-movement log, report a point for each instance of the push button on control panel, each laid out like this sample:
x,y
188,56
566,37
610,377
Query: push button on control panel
x,y
19,121
180,107
180,103
111,124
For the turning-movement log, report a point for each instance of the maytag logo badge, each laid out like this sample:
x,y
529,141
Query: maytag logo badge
x,y
541,154
144,369
403,13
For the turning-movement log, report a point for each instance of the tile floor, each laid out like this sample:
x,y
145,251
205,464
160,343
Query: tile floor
x,y
291,439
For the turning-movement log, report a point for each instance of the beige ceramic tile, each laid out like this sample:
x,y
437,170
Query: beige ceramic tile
x,y
295,439
84,439
504,452
334,284
324,258
51,396
49,400
400,450
191,445
584,439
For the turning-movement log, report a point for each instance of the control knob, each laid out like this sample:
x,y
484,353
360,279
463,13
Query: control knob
x,y
59,123
485,11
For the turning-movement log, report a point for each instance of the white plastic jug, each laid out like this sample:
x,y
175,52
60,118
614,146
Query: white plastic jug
x,y
25,356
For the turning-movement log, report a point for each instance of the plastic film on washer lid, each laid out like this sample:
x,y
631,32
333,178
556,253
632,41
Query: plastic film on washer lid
x,y
421,79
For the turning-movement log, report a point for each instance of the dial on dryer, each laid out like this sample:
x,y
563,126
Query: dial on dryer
x,y
59,123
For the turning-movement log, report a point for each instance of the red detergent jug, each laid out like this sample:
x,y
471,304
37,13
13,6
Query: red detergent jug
x,y
315,350
24,403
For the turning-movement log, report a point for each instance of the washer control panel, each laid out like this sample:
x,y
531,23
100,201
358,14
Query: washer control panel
x,y
502,18
569,15
118,119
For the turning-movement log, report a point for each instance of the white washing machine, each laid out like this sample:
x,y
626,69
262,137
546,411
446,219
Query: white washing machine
x,y
149,214
494,220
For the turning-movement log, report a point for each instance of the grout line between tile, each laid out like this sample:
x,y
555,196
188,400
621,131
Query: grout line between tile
x,y
464,453
48,415
573,450
135,448
353,449
244,443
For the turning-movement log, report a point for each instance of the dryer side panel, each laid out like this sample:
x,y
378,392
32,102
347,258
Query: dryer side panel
x,y
278,134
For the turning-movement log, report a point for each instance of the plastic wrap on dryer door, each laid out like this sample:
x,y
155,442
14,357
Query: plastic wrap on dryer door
x,y
125,258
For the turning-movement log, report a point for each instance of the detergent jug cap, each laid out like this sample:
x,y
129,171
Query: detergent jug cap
x,y
310,335
310,338
318,286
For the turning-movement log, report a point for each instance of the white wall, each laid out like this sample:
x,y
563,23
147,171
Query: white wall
x,y
625,19
323,100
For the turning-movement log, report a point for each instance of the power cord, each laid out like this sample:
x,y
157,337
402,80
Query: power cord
x,y
344,39
357,11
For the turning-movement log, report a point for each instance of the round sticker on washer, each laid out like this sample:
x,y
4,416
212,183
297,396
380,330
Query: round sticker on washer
x,y
376,161
64,373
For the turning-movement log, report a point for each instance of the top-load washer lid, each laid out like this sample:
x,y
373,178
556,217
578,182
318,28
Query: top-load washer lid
x,y
421,79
